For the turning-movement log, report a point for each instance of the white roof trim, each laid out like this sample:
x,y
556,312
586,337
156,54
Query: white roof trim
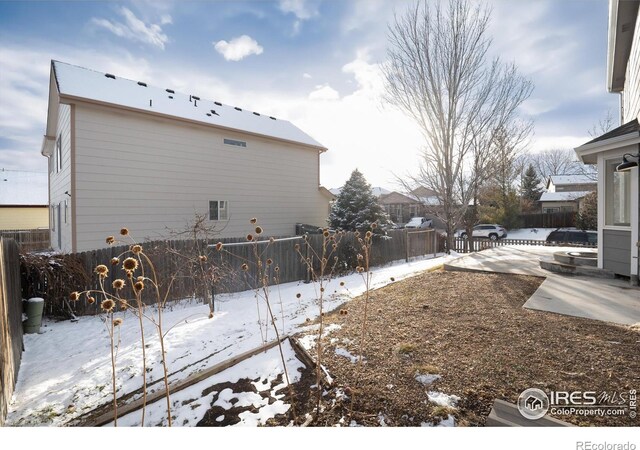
x,y
587,151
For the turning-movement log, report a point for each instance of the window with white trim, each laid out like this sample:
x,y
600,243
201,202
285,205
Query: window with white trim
x,y
617,206
218,210
59,154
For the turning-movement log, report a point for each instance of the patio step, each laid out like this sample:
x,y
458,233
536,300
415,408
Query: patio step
x,y
570,269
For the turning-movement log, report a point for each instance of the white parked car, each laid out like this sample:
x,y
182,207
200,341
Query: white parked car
x,y
419,222
485,230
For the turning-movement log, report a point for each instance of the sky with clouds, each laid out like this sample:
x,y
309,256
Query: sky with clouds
x,y
315,63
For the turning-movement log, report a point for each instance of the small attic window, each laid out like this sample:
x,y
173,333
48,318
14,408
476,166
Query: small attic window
x,y
170,91
236,143
218,103
272,118
108,75
256,114
142,83
237,109
195,98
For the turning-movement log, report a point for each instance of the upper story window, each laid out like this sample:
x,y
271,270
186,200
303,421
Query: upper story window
x,y
58,156
235,142
617,205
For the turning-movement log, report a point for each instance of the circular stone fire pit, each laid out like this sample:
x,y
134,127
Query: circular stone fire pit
x,y
575,258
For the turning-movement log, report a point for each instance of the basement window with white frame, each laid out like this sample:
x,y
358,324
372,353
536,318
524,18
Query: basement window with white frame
x,y
218,210
618,195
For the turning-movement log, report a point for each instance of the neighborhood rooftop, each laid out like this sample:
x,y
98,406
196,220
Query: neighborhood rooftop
x,y
560,180
630,127
23,188
78,82
562,196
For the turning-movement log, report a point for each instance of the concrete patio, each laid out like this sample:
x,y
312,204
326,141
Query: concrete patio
x,y
609,300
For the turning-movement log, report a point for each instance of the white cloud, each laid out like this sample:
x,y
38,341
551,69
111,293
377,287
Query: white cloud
x,y
324,92
302,9
135,29
238,48
306,75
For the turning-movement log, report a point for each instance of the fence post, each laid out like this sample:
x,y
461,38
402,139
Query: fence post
x,y
406,253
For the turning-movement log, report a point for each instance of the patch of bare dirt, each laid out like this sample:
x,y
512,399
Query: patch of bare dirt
x,y
471,329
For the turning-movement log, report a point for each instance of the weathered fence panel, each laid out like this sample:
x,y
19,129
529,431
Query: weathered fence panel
x,y
180,275
10,322
548,220
461,245
28,240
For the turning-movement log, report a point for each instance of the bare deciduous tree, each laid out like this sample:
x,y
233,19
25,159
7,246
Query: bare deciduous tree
x,y
439,73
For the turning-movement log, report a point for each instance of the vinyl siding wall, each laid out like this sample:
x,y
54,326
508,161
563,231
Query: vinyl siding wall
x,y
616,248
23,217
631,96
153,174
61,182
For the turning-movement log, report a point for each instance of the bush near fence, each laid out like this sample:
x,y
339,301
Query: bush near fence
x,y
54,277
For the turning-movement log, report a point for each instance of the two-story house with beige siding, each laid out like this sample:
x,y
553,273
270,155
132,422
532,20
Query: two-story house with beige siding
x,y
123,153
618,190
564,193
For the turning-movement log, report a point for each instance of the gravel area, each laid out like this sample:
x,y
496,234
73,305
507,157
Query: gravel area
x,y
445,345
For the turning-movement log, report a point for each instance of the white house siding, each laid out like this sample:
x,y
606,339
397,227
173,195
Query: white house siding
x,y
152,174
59,183
631,96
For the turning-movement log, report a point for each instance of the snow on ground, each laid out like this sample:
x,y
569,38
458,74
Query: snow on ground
x,y
442,399
536,234
66,370
427,379
190,405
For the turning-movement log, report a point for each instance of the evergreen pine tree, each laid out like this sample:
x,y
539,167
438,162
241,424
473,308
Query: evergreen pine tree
x,y
356,208
530,181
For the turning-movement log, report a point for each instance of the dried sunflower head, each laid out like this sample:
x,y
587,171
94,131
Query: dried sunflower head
x,y
74,296
219,246
249,237
107,305
91,300
110,240
130,264
115,261
102,270
137,248
138,286
253,221
117,321
124,231
258,230
203,258
118,284
244,267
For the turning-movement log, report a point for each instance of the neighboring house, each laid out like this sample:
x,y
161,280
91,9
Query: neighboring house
x,y
24,201
401,208
618,191
426,196
565,192
377,191
125,154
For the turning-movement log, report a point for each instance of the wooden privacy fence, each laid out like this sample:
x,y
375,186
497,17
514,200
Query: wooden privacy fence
x,y
548,220
28,240
463,245
181,275
10,322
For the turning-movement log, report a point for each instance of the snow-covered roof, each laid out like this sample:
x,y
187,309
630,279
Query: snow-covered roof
x,y
375,190
22,188
75,81
562,196
560,180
